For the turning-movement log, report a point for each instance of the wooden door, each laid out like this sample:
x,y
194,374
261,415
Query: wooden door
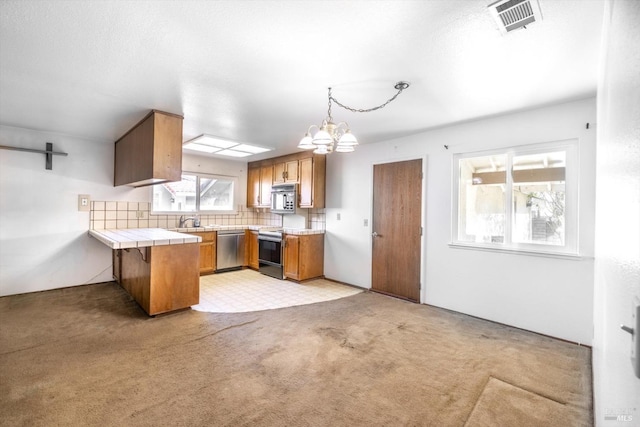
x,y
396,229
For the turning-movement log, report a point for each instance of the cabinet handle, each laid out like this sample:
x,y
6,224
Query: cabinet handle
x,y
282,175
286,174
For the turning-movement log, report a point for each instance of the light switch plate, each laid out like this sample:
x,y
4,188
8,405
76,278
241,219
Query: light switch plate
x,y
83,202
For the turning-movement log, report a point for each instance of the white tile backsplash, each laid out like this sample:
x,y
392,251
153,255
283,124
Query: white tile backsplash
x,y
109,215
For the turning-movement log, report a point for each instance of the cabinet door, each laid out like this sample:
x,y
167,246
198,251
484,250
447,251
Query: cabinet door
x,y
285,172
291,257
207,257
266,180
207,252
311,256
291,172
279,172
306,183
253,188
252,245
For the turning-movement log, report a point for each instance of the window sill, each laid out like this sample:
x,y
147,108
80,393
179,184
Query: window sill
x,y
515,251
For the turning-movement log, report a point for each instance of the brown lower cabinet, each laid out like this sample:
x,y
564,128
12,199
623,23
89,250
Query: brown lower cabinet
x,y
160,278
303,256
251,248
207,251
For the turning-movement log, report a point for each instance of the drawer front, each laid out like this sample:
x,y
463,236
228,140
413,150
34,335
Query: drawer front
x,y
207,236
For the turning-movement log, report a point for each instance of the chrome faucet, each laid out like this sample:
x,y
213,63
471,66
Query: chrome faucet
x,y
183,220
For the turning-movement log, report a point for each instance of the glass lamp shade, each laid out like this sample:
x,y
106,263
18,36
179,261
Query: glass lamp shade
x,y
348,139
306,143
322,149
345,148
322,137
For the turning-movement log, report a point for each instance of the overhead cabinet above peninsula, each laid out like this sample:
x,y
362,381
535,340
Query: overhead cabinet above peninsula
x,y
306,169
151,152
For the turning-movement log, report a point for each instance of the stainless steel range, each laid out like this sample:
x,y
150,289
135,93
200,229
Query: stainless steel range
x,y
270,256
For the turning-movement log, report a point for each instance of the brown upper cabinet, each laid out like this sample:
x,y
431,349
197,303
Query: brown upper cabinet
x,y
312,181
285,172
259,181
306,169
151,152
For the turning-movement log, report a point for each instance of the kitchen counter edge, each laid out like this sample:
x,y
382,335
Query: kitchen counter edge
x,y
125,238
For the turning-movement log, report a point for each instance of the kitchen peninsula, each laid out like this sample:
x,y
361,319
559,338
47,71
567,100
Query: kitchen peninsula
x,y
157,267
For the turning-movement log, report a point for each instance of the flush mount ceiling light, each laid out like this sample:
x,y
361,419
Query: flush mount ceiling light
x,y
330,137
211,144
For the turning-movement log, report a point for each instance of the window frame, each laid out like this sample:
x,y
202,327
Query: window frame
x,y
570,249
198,211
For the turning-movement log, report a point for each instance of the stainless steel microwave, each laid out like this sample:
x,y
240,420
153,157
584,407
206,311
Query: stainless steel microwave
x,y
284,198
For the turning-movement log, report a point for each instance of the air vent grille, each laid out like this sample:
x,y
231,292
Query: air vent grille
x,y
514,14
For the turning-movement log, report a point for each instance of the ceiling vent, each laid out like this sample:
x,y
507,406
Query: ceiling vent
x,y
513,14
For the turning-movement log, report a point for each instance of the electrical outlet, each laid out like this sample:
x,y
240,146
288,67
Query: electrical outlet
x,y
83,202
366,222
338,216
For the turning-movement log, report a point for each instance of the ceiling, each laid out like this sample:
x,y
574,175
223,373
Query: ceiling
x,y
258,71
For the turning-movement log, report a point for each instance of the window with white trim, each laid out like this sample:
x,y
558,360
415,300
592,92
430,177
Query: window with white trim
x,y
521,198
196,192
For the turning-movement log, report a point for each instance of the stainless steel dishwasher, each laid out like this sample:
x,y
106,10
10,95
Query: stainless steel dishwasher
x,y
230,250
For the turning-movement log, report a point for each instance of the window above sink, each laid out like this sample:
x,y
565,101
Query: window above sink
x,y
196,193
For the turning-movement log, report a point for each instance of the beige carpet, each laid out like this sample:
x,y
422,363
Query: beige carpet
x,y
90,356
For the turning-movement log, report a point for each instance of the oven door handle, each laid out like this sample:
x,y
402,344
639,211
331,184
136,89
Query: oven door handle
x,y
270,239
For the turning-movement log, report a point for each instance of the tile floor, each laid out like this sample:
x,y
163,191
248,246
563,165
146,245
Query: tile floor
x,y
247,290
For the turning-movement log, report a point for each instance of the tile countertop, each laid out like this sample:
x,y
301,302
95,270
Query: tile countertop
x,y
301,231
142,237
295,231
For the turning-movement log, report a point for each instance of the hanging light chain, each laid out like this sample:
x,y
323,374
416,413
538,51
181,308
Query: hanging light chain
x,y
329,133
400,86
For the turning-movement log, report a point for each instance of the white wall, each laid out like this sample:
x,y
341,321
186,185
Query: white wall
x,y
547,295
43,237
44,242
617,267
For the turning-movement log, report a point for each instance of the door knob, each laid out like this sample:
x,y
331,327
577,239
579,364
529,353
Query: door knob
x,y
375,234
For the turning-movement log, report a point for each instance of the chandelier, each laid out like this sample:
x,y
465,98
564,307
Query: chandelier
x,y
329,137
